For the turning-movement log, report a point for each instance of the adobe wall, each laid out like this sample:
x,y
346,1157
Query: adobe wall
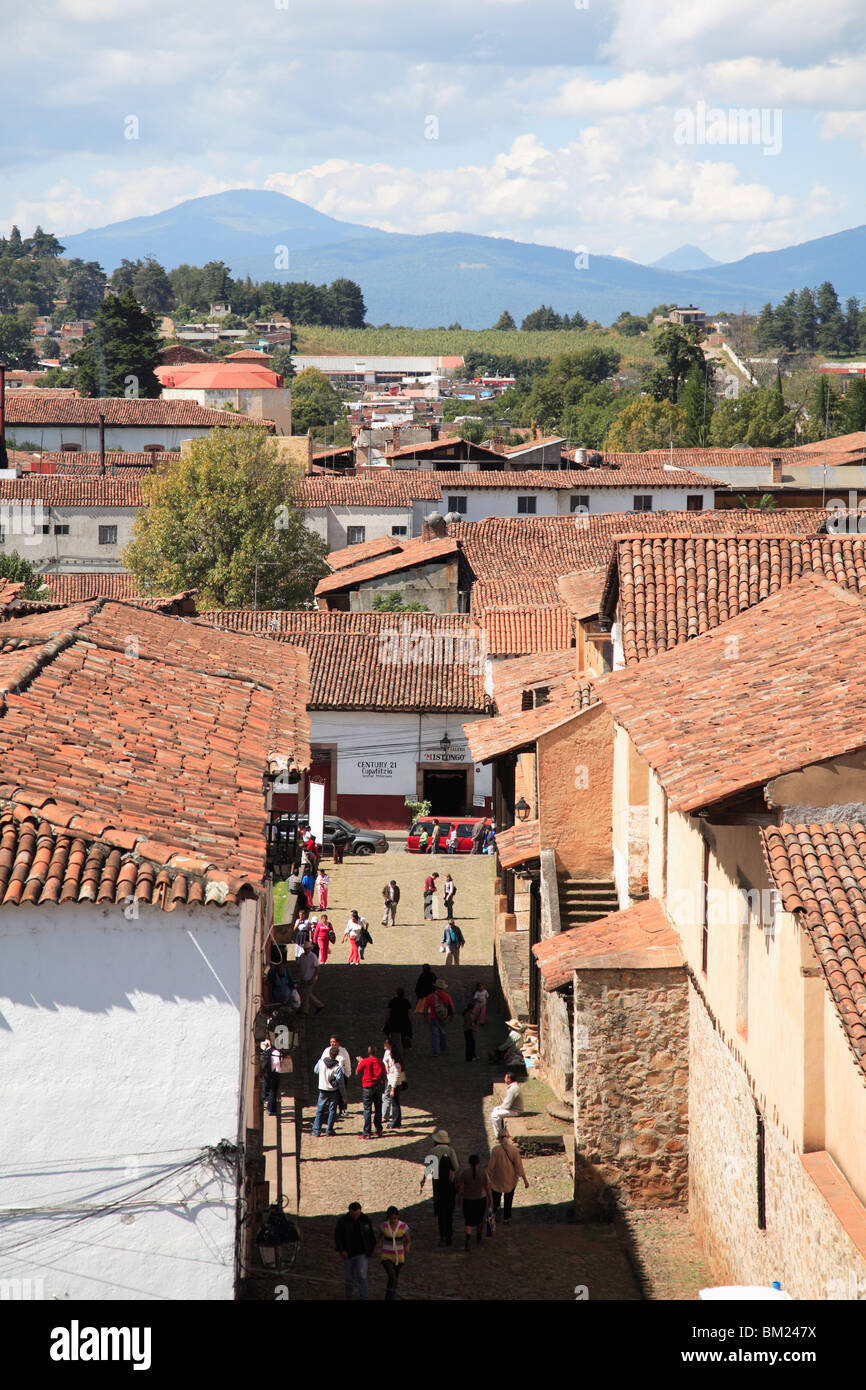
x,y
631,1112
575,775
804,1245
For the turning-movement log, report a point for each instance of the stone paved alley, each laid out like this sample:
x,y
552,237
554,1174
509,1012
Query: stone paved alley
x,y
543,1256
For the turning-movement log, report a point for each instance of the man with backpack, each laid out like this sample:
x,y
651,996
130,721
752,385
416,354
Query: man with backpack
x,y
439,1008
330,1073
372,1074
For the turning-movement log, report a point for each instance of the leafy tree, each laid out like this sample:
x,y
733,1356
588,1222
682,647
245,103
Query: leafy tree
x,y
122,344
679,350
152,287
472,431
393,603
345,303
629,325
505,323
541,320
697,399
281,362
84,288
15,345
315,403
826,413
49,347
20,571
123,277
648,424
757,418
214,283
765,503
588,421
227,504
854,407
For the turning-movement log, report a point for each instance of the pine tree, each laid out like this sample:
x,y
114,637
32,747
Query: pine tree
x,y
505,323
120,352
807,320
765,329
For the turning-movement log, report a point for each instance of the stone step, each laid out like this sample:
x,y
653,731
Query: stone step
x,y
580,897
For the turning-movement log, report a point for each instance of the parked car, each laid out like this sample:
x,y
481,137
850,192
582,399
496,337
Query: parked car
x,y
357,841
465,826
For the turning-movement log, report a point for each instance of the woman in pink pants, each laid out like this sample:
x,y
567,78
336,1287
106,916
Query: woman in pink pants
x,y
322,883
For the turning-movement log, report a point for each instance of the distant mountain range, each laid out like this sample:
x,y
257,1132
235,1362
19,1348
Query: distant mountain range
x,y
446,277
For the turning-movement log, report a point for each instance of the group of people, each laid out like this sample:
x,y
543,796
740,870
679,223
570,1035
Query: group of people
x,y
437,1005
430,841
383,1079
481,1188
356,1241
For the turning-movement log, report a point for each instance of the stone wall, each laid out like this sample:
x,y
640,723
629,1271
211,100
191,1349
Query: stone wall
x,y
512,967
555,1038
631,1110
804,1244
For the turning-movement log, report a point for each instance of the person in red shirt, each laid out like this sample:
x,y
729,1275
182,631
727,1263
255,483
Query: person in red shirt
x,y
372,1074
439,1008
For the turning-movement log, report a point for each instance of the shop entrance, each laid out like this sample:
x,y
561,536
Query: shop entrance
x,y
445,789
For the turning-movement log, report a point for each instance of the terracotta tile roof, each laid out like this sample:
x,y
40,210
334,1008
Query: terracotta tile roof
x,y
518,560
54,490
518,844
32,408
381,487
507,732
86,461
840,444
529,480
533,444
379,661
514,631
672,589
365,550
113,584
410,556
551,670
9,592
702,458
149,734
772,690
642,474
639,937
582,590
820,872
434,446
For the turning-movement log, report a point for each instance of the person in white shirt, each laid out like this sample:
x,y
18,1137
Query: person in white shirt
x,y
394,1078
306,972
512,1104
346,1064
325,1070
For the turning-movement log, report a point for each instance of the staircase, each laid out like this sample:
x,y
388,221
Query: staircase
x,y
583,900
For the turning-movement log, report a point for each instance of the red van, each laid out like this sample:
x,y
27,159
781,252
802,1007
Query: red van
x,y
465,826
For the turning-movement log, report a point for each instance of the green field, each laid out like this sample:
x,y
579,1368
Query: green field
x,y
443,342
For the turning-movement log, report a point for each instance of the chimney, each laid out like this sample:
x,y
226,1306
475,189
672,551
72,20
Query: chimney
x,y
101,418
4,459
396,435
775,470
433,527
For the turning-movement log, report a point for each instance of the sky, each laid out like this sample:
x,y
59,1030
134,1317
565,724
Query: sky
x,y
599,124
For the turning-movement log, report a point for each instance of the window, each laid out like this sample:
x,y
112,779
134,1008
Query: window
x,y
705,908
457,504
45,529
580,501
355,535
399,530
526,506
694,502
61,530
108,535
70,448
642,502
760,1170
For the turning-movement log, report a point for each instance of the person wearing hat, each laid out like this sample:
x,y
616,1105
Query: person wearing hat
x,y
439,1008
440,1166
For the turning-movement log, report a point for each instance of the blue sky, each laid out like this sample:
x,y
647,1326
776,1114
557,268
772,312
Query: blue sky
x,y
543,120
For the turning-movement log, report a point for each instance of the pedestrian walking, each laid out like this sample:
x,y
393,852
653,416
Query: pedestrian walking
x,y
489,840
270,1074
354,928
512,1104
322,884
296,890
355,1241
346,1068
329,1071
372,1075
504,1167
396,1244
302,933
398,1022
473,1191
451,842
339,840
452,943
395,1079
479,999
478,836
435,837
324,937
424,985
390,899
365,937
307,972
439,1008
429,893
449,893
308,882
470,1025
440,1165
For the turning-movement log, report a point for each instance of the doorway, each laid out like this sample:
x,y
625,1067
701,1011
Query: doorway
x,y
445,789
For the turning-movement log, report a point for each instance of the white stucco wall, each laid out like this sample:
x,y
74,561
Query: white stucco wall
x,y
377,754
120,1060
132,438
21,527
332,523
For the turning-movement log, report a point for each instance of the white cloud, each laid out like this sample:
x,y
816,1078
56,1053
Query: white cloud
x,y
67,208
634,91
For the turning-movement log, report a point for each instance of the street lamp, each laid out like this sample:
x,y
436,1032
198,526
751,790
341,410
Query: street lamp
x,y
522,810
445,743
277,1240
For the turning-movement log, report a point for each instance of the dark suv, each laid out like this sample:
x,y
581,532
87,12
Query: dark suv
x,y
356,841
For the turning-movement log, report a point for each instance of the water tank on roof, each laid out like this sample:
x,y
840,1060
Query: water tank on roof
x,y
580,456
596,460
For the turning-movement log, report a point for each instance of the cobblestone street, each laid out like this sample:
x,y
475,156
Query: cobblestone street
x,y
542,1256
